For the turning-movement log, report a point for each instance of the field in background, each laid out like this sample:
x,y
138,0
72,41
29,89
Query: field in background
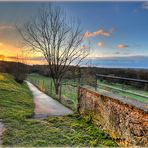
x,y
16,111
124,90
70,89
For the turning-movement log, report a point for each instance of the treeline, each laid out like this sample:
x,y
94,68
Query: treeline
x,y
141,74
17,69
86,74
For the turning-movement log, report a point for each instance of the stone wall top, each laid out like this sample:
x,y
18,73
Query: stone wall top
x,y
125,100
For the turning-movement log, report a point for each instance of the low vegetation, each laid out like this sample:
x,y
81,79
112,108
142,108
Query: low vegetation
x,y
16,110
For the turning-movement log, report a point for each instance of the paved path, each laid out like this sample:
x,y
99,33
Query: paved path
x,y
1,131
46,106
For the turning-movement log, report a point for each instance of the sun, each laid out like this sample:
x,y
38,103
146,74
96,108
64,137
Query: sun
x,y
1,44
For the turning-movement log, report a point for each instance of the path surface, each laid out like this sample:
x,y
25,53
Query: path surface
x,y
46,106
1,131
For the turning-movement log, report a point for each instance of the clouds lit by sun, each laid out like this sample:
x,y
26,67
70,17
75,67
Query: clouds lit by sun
x,y
98,32
100,44
112,30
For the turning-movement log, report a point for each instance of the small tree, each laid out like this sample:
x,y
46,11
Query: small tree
x,y
57,38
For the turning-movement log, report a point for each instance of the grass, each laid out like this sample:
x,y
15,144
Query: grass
x,y
15,99
16,110
114,86
64,131
69,92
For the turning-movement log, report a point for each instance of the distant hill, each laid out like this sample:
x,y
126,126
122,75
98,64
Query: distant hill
x,y
8,67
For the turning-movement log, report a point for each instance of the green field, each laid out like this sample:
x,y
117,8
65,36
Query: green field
x,y
69,88
124,90
70,91
16,111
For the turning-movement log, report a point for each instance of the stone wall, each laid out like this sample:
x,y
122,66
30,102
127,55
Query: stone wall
x,y
123,121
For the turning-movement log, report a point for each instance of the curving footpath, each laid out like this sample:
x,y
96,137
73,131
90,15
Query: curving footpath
x,y
46,106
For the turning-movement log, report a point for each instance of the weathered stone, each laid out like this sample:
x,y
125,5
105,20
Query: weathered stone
x,y
126,123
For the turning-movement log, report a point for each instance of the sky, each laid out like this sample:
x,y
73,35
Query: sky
x,y
114,29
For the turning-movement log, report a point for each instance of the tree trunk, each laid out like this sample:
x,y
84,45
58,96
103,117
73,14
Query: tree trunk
x,y
57,87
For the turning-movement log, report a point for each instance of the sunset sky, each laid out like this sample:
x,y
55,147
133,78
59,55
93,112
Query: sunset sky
x,y
115,29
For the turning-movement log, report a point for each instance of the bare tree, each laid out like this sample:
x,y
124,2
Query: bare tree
x,y
58,38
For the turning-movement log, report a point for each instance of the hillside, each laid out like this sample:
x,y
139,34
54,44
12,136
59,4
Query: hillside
x,y
15,99
16,110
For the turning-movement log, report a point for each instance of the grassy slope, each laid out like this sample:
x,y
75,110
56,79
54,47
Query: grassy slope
x,y
16,106
15,99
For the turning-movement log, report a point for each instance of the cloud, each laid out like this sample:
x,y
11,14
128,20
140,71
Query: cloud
x,y
122,46
39,58
4,27
98,32
100,44
145,5
14,58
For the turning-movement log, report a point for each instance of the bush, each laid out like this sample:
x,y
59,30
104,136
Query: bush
x,y
20,78
19,72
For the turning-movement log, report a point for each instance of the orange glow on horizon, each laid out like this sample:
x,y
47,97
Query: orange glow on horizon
x,y
9,53
28,62
8,50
